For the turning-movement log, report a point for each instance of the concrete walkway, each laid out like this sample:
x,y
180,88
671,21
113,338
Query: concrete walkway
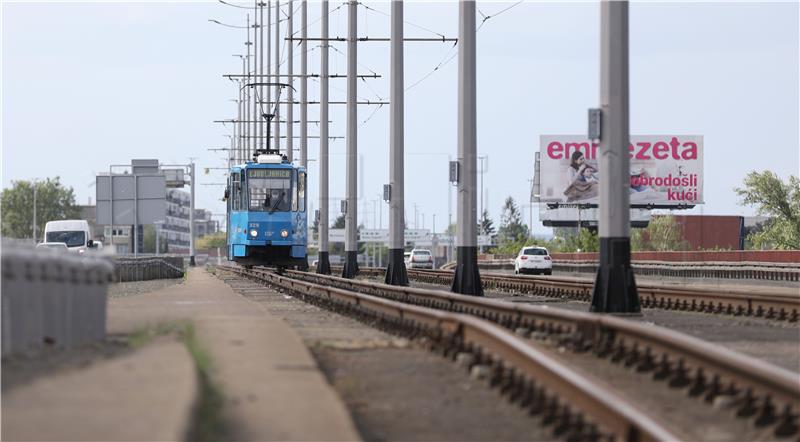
x,y
271,386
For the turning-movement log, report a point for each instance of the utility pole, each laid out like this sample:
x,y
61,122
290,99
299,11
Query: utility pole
x,y
249,135
269,63
350,269
290,80
34,211
257,129
304,85
277,129
467,279
615,287
191,216
323,262
260,123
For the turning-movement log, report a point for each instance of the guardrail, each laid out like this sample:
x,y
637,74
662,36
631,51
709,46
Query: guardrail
x,y
723,270
52,298
128,269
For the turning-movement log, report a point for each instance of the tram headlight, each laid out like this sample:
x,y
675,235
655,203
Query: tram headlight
x,y
254,232
284,233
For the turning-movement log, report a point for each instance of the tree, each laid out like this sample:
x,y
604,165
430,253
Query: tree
x,y
212,241
778,200
485,224
663,233
511,227
339,223
53,202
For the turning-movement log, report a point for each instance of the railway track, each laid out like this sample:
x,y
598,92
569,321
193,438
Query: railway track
x,y
730,302
576,408
768,395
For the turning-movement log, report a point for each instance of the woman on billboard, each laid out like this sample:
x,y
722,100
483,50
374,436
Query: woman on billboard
x,y
581,178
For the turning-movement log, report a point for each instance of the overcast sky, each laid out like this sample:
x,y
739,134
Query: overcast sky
x,y
90,84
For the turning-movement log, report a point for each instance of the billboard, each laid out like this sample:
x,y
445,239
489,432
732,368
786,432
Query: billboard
x,y
665,170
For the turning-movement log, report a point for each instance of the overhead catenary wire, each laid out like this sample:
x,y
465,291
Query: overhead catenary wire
x,y
451,54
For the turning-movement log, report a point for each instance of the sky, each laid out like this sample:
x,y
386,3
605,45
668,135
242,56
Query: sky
x,y
88,84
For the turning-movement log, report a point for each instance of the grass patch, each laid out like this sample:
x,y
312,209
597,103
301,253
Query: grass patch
x,y
207,423
146,334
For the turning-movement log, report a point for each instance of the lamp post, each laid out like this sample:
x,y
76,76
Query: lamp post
x,y
35,182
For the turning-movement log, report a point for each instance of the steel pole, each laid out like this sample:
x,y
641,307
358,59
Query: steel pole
x,y
259,118
191,216
269,61
290,80
276,130
615,286
248,91
34,212
239,116
350,268
396,267
256,46
323,263
467,278
304,86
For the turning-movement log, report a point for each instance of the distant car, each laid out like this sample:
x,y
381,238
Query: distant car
x,y
533,260
421,259
75,233
60,246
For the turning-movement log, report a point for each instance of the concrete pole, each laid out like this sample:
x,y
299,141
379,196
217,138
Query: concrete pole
x,y
615,287
304,86
467,279
350,268
260,79
191,218
290,80
396,267
276,129
323,263
248,91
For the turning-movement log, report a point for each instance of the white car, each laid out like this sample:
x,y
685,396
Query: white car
x,y
421,259
59,246
533,260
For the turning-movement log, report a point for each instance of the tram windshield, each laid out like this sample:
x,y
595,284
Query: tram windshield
x,y
270,194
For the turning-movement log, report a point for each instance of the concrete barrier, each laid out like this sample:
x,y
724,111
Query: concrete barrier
x,y
53,298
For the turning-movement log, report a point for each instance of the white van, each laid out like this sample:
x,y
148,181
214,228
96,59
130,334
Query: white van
x,y
75,233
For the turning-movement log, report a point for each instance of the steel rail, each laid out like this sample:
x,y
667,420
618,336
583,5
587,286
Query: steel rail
x,y
575,405
738,302
770,394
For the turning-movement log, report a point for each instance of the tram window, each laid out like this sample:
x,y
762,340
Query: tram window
x,y
301,191
236,190
270,194
294,191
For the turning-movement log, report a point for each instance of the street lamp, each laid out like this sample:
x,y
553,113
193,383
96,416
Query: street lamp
x,y
34,182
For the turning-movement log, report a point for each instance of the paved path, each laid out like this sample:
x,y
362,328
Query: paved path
x,y
271,385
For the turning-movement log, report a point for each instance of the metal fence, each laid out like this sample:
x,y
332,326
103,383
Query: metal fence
x,y
51,298
127,269
769,271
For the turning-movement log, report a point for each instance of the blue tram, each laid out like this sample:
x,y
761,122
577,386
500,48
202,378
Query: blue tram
x,y
267,219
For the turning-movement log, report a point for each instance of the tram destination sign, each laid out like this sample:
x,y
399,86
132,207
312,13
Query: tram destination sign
x,y
269,173
665,170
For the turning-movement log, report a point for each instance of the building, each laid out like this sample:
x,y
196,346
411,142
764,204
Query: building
x,y
203,224
173,231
